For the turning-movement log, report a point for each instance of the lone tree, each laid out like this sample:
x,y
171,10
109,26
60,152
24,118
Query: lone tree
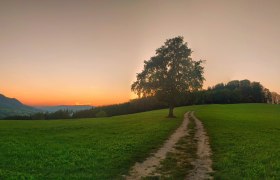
x,y
169,73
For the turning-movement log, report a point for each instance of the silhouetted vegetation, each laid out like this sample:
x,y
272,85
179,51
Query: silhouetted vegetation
x,y
232,92
275,98
170,73
133,106
61,114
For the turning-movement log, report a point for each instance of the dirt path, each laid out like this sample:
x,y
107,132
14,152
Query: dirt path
x,y
147,167
203,163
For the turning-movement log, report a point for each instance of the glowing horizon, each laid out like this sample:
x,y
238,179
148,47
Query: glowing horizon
x,y
88,52
85,101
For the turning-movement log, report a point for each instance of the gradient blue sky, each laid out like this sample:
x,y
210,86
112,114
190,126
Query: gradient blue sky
x,y
88,52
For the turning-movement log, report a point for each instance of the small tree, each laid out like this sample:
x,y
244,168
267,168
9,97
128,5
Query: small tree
x,y
169,73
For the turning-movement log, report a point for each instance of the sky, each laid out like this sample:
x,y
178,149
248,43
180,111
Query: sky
x,y
88,52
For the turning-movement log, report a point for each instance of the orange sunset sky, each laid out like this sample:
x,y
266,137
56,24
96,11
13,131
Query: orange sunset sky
x,y
88,52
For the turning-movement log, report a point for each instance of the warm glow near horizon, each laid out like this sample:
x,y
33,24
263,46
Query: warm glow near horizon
x,y
88,52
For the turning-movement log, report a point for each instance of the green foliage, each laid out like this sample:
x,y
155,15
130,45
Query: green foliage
x,y
169,73
100,148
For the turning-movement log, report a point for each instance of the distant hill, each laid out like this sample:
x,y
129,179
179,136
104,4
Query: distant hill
x,y
12,107
64,107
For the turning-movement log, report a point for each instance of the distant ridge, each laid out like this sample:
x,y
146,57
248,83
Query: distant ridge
x,y
13,107
64,107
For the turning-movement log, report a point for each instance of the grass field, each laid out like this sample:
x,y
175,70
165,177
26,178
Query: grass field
x,y
102,148
245,139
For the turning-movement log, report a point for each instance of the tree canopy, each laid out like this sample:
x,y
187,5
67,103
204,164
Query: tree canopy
x,y
169,73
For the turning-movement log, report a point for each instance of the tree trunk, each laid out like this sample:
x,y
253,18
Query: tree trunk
x,y
170,114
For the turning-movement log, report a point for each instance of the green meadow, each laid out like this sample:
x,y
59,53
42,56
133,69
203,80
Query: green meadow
x,y
245,139
101,148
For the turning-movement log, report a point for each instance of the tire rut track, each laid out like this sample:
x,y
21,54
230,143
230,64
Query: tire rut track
x,y
149,166
202,163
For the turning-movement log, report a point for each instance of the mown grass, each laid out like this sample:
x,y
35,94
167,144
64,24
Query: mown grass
x,y
101,148
245,139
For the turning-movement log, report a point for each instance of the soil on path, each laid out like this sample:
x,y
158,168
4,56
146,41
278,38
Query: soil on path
x,y
203,163
149,166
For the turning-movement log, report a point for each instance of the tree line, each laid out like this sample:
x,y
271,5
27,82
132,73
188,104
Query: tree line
x,y
243,91
133,106
236,91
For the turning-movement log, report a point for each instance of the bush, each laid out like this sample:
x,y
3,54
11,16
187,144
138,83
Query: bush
x,y
101,114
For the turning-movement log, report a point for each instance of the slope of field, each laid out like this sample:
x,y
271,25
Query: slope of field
x,y
245,139
102,148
